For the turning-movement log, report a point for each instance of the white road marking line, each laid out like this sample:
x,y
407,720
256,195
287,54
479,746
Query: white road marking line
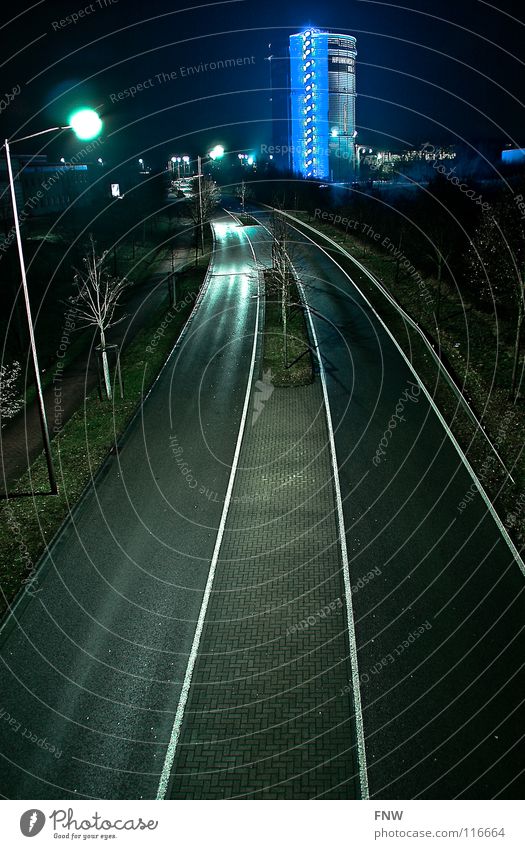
x,y
183,698
356,692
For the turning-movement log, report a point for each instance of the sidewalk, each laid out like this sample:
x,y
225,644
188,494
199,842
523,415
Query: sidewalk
x,y
21,439
269,714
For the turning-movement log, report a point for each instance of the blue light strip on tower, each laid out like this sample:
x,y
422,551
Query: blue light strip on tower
x,y
319,60
309,103
320,165
297,105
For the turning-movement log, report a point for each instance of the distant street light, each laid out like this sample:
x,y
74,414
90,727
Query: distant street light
x,y
216,152
86,124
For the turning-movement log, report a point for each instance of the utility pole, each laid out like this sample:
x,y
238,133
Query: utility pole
x,y
38,384
172,292
201,222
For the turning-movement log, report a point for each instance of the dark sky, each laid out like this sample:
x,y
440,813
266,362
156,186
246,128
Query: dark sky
x,y
426,71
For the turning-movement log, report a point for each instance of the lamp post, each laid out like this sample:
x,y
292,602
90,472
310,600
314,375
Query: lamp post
x,y
201,222
216,153
86,124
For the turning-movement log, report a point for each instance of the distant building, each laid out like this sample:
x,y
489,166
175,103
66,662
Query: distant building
x,y
322,104
389,160
513,156
44,188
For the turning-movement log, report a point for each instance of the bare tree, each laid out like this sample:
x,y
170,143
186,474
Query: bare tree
x,y
11,401
97,296
496,268
243,192
281,270
440,241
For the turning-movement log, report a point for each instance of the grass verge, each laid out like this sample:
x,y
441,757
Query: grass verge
x,y
29,523
297,371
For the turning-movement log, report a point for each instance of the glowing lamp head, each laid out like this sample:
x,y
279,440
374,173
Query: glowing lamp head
x,y
217,152
86,124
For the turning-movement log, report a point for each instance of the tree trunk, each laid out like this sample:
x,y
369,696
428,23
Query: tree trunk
x,y
284,300
105,365
172,290
398,259
440,277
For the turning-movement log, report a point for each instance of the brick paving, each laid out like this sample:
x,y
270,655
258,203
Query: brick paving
x,y
269,714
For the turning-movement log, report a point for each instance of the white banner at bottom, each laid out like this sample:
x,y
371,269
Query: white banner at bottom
x,y
262,824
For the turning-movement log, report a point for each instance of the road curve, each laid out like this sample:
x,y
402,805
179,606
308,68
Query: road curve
x,y
440,623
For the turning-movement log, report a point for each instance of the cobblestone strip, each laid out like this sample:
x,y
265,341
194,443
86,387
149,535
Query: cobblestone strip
x,y
269,713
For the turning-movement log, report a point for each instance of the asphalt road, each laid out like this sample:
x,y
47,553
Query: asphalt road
x,y
93,663
440,624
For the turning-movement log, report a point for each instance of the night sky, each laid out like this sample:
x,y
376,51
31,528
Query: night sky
x,y
436,71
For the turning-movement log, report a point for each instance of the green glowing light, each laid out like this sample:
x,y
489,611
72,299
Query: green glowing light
x,y
86,124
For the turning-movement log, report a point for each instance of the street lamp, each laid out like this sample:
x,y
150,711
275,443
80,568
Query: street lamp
x,y
86,125
215,153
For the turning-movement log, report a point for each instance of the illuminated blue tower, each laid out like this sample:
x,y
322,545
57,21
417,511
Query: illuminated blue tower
x,y
322,104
